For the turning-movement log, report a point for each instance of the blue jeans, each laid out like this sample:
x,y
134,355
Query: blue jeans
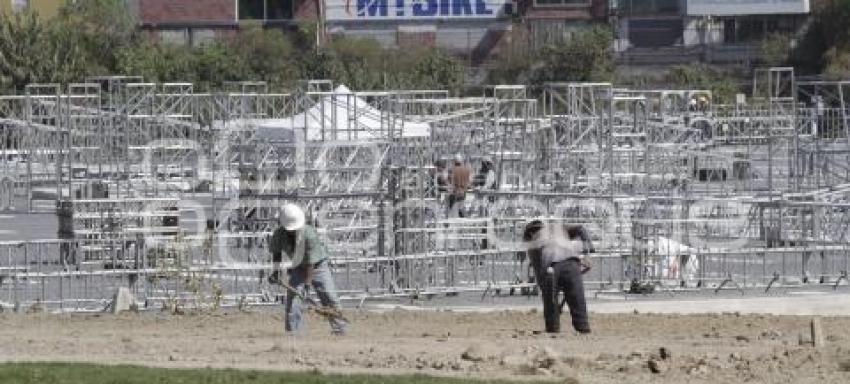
x,y
324,285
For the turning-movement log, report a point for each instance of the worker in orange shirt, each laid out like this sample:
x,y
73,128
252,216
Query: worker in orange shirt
x,y
461,181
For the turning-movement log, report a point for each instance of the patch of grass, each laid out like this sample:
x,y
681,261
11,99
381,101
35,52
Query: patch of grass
x,y
62,373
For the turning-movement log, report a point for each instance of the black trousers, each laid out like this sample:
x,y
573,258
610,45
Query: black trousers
x,y
456,200
567,279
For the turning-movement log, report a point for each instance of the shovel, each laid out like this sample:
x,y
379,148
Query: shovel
x,y
327,312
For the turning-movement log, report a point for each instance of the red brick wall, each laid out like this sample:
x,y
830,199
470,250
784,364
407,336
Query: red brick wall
x,y
410,40
307,10
599,9
188,11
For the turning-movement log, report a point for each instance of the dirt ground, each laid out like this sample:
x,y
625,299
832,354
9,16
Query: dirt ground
x,y
633,348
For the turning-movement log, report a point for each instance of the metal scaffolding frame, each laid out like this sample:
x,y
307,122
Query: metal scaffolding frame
x,y
155,185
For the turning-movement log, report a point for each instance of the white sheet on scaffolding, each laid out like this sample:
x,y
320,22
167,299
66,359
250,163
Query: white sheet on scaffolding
x,y
669,264
345,112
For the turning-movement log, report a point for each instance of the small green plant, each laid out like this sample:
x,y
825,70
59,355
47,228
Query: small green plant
x,y
176,277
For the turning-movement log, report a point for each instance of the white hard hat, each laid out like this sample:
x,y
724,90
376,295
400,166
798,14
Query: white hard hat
x,y
292,217
487,159
459,158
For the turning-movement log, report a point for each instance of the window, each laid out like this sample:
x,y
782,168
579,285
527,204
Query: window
x,y
654,32
557,3
730,31
19,5
266,9
279,9
252,9
643,7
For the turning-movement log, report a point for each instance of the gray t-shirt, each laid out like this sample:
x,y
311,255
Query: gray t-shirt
x,y
555,251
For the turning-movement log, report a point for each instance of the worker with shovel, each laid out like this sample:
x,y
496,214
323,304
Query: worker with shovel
x,y
556,253
301,243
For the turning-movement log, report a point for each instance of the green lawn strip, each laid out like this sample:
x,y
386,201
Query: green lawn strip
x,y
71,373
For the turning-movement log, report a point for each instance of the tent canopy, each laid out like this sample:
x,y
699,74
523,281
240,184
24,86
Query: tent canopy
x,y
341,115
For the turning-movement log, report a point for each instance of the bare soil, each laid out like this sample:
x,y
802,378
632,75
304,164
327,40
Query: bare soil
x,y
634,348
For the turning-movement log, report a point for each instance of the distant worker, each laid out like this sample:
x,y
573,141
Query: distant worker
x,y
703,103
461,180
439,178
485,179
556,256
309,259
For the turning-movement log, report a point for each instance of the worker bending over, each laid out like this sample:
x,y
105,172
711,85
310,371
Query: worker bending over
x,y
309,258
556,253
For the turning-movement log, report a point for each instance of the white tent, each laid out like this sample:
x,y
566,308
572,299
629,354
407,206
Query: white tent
x,y
341,115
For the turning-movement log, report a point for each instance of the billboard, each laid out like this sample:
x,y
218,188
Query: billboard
x,y
746,7
371,10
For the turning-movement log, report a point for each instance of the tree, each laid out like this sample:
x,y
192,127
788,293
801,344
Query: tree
x,y
158,62
359,63
36,52
775,49
826,37
260,54
99,28
831,18
436,70
91,37
585,57
365,64
723,87
513,68
20,48
838,64
216,63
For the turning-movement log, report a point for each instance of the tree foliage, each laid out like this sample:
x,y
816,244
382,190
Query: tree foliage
x,y
98,28
723,87
832,28
158,62
775,48
255,55
824,47
586,56
260,54
364,64
98,37
838,64
20,39
32,51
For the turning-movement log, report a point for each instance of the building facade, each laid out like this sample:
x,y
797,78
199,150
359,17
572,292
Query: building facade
x,y
473,28
717,31
478,29
742,21
197,21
